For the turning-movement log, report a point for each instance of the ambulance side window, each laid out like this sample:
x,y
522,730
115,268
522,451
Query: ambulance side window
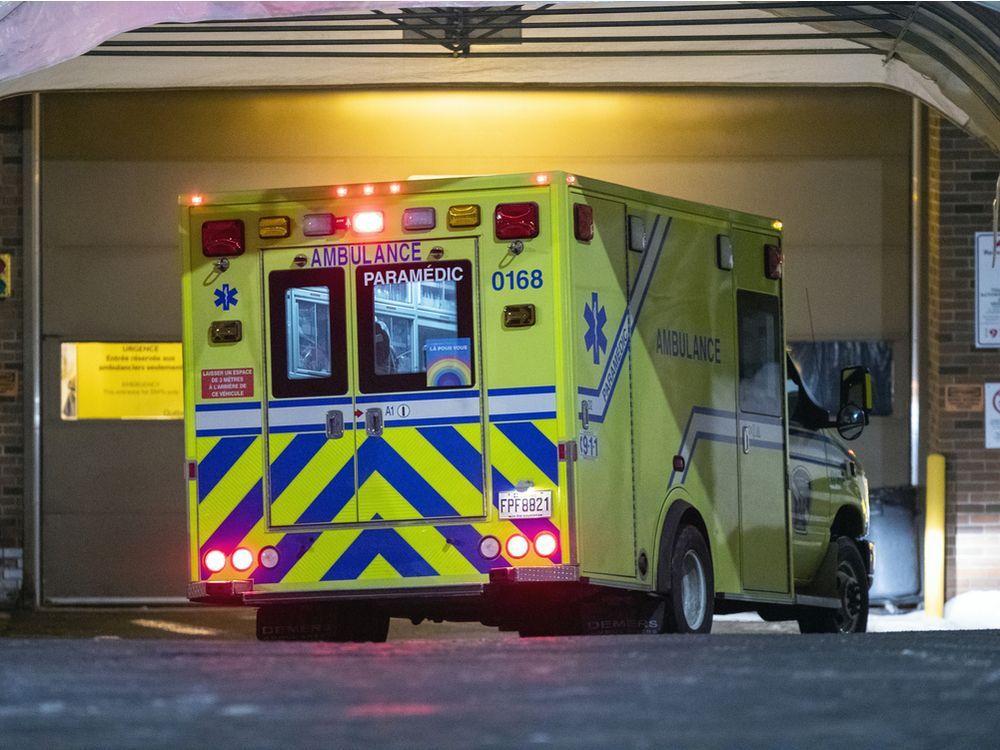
x,y
761,376
308,344
415,326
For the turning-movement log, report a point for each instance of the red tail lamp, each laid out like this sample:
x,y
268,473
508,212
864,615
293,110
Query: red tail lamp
x,y
516,221
518,546
546,544
242,559
222,238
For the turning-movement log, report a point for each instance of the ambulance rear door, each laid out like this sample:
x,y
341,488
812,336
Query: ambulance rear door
x,y
309,464
419,405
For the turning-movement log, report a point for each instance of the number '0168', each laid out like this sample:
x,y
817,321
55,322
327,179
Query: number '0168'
x,y
517,280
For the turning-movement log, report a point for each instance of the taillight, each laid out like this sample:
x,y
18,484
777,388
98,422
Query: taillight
x,y
516,221
489,547
242,559
545,544
583,222
517,546
268,557
368,222
215,560
221,238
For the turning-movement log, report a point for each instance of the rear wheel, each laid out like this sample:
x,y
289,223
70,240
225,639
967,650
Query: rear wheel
x,y
691,598
852,589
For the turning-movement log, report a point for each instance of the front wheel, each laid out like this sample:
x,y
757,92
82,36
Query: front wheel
x,y
852,589
690,602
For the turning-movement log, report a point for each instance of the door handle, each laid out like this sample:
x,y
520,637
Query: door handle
x,y
746,438
334,424
373,422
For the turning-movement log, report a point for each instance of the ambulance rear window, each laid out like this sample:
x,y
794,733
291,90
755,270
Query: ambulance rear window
x,y
415,326
308,333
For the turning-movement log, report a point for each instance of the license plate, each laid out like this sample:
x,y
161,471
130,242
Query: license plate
x,y
530,504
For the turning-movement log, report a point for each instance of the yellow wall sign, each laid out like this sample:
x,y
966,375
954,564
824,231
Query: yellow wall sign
x,y
122,381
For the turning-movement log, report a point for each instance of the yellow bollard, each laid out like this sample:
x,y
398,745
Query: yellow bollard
x,y
934,538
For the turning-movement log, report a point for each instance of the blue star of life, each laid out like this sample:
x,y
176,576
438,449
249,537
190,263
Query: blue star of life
x,y
226,297
594,338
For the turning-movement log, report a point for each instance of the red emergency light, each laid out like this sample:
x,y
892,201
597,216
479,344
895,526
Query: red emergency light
x,y
516,221
222,238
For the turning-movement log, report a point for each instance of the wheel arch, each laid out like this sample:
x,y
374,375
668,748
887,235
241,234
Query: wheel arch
x,y
847,522
679,513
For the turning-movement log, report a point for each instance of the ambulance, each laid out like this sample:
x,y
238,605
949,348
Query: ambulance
x,y
541,402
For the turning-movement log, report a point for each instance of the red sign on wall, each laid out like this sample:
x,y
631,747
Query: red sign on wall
x,y
229,383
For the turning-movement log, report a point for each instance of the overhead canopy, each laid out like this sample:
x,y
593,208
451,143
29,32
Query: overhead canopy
x,y
945,53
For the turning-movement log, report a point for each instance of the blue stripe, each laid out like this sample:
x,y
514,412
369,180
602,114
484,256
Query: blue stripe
x,y
522,416
375,454
293,460
372,542
466,540
291,548
310,402
458,452
532,442
229,432
627,327
227,407
816,461
332,499
419,396
428,422
710,437
303,429
220,460
236,526
528,390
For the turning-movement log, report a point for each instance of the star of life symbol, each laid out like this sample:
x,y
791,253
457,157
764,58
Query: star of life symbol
x,y
226,297
594,338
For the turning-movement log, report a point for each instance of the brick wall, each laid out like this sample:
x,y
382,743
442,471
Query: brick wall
x,y
11,356
961,181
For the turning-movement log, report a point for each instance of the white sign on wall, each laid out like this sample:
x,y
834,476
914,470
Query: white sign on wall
x,y
992,408
987,292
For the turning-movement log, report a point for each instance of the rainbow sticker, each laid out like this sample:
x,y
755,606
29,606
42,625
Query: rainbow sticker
x,y
449,363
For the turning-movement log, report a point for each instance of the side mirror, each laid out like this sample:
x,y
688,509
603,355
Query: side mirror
x,y
855,401
850,421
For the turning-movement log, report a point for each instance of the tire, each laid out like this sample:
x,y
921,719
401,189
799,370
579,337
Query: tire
x,y
317,622
690,600
852,588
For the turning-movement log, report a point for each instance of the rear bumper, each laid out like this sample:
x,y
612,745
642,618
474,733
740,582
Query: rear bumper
x,y
243,592
219,592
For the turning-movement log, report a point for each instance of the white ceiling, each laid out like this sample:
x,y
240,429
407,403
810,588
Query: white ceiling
x,y
944,53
